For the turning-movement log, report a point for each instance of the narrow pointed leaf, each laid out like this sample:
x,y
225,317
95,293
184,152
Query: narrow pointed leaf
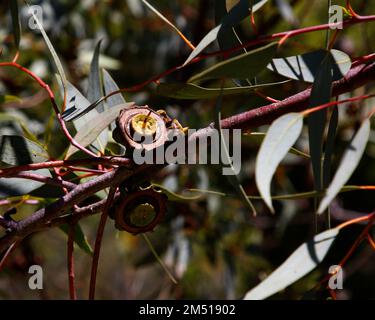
x,y
51,49
79,238
244,66
330,144
193,91
90,131
281,136
320,94
306,66
109,87
17,150
15,22
300,263
94,91
349,163
172,196
239,12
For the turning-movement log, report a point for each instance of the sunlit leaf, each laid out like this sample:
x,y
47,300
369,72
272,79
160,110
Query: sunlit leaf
x,y
239,12
90,131
192,91
17,150
306,66
94,90
54,55
244,66
348,164
300,263
109,87
79,237
281,136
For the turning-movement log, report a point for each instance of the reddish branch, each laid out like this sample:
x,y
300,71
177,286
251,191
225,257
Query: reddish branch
x,y
356,77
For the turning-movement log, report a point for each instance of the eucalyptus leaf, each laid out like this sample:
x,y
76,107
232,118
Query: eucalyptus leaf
x,y
79,237
90,131
94,90
239,12
18,150
306,66
109,87
193,91
172,196
244,66
348,164
320,94
300,263
15,22
281,136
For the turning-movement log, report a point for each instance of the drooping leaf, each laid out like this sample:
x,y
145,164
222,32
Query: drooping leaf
x,y
320,94
281,136
27,133
240,11
94,90
90,131
192,91
19,186
76,101
109,87
172,196
300,263
330,144
79,237
349,163
232,177
15,22
244,66
306,66
258,137
51,49
17,150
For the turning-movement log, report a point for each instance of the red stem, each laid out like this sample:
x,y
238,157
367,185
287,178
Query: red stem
x,y
98,242
70,258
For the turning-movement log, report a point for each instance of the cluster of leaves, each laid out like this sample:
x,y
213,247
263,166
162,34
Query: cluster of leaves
x,y
210,235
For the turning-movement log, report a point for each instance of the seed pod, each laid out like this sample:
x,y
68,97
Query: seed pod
x,y
140,211
140,128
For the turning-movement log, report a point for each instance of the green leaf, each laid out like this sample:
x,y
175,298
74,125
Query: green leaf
x,y
109,87
51,49
239,12
172,196
300,263
15,22
306,66
233,179
17,150
193,91
20,186
90,131
244,66
94,91
79,238
349,163
281,136
330,144
320,94
9,117
8,98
